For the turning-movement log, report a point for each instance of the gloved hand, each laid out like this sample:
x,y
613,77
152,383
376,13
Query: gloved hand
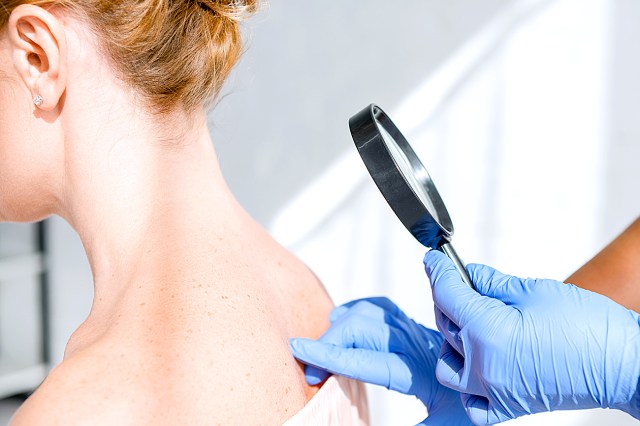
x,y
372,340
522,346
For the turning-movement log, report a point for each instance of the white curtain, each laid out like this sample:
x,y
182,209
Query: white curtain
x,y
515,129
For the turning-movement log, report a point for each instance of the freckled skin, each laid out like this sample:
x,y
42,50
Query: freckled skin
x,y
185,346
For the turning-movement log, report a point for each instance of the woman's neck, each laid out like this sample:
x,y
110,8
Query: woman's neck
x,y
145,211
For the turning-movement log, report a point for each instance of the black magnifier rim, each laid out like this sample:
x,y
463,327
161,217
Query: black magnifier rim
x,y
388,176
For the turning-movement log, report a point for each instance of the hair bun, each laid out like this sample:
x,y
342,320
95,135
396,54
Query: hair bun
x,y
236,10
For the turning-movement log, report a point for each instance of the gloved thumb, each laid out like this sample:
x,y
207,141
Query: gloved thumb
x,y
481,412
492,283
460,303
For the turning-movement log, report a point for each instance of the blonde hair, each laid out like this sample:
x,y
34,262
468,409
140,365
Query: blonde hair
x,y
174,53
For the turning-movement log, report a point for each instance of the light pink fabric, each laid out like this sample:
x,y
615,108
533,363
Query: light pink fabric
x,y
340,401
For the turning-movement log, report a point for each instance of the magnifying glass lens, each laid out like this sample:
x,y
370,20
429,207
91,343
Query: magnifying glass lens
x,y
408,171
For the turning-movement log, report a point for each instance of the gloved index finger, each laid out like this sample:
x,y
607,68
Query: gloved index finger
x,y
378,368
451,295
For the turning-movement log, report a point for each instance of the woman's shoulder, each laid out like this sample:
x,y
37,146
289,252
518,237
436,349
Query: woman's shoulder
x,y
75,392
219,354
234,375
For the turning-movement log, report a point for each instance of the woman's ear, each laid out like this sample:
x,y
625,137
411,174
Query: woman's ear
x,y
39,52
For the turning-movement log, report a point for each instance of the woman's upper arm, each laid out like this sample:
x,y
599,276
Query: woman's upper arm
x,y
615,271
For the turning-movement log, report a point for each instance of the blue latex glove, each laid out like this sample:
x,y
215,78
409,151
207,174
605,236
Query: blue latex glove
x,y
372,340
522,346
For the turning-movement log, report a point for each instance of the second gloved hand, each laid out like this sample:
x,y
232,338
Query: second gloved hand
x,y
522,346
372,340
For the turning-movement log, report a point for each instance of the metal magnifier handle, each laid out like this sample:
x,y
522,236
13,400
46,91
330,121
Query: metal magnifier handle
x,y
448,249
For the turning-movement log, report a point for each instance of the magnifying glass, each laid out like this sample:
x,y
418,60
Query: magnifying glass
x,y
404,182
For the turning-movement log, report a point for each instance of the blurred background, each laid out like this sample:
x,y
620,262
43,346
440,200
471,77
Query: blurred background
x,y
525,112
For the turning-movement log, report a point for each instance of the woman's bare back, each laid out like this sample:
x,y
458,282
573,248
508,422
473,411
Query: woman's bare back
x,y
203,343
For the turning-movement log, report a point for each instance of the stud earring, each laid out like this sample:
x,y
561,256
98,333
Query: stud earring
x,y
38,100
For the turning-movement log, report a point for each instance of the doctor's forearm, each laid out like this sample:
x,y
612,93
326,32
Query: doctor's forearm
x,y
615,271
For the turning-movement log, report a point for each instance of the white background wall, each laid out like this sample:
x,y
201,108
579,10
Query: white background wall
x,y
525,113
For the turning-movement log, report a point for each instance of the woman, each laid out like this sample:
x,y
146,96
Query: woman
x,y
103,122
